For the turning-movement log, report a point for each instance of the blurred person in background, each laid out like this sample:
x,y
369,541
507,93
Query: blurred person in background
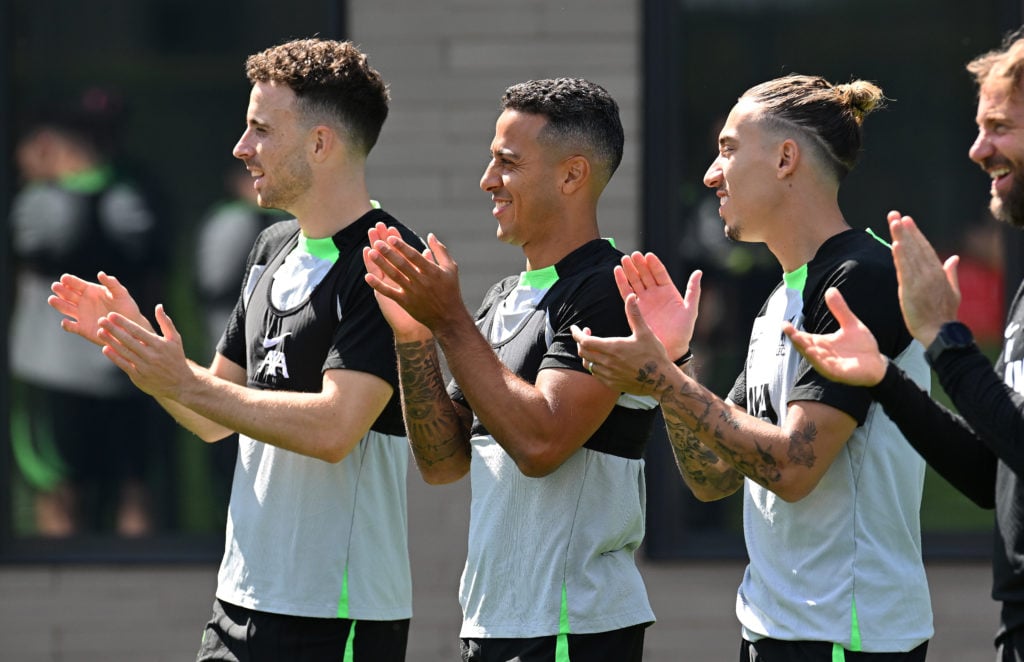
x,y
76,212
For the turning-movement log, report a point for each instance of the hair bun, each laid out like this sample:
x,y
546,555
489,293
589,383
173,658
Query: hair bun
x,y
862,97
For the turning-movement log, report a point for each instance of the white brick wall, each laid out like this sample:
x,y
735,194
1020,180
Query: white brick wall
x,y
448,62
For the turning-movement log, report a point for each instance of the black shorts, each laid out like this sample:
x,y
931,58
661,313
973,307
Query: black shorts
x,y
238,634
1010,645
625,645
774,650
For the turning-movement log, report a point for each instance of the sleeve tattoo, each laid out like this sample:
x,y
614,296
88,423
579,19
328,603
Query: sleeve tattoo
x,y
436,430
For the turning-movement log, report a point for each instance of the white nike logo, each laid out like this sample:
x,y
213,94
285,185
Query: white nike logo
x,y
274,342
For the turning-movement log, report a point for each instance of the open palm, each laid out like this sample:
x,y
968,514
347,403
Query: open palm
x,y
84,304
671,316
849,355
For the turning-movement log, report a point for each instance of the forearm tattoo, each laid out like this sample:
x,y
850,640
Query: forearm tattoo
x,y
435,430
702,430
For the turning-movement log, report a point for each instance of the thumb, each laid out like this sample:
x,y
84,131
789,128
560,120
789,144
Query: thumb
x,y
637,323
951,267
167,328
840,309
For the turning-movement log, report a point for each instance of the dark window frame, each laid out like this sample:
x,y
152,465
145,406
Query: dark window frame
x,y
679,525
161,547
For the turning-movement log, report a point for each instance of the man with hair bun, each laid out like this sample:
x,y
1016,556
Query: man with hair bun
x,y
316,563
831,493
977,450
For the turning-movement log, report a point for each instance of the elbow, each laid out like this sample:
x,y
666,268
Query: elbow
x,y
538,464
706,495
443,473
439,477
333,450
213,437
792,490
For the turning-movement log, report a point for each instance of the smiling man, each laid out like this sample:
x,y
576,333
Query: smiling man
x,y
831,494
315,563
554,456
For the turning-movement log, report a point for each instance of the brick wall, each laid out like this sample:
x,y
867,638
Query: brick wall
x,y
448,62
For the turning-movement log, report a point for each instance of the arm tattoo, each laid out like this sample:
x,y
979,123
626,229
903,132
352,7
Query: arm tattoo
x,y
698,464
436,432
692,413
801,445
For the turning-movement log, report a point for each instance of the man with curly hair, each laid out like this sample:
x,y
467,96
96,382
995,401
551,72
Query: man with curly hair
x,y
315,564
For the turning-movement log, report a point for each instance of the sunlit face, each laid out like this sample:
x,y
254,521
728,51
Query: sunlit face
x,y
999,149
523,179
744,173
273,147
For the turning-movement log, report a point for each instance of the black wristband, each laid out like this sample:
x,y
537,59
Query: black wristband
x,y
684,359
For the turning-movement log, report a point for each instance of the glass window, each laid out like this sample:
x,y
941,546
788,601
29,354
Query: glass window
x,y
700,55
122,116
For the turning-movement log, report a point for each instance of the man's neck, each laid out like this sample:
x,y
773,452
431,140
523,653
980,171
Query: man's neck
x,y
327,211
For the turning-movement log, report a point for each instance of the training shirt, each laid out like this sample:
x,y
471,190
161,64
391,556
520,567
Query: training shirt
x,y
554,555
978,451
307,537
843,564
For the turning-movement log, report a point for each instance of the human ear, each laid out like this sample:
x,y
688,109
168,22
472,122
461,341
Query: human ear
x,y
322,140
789,157
575,173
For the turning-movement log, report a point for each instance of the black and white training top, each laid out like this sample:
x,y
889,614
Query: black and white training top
x,y
843,564
981,450
554,555
307,537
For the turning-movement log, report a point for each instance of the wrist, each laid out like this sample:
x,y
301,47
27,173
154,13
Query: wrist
x,y
951,336
684,359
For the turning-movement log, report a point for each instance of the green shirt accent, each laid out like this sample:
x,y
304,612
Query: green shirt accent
x,y
323,249
795,280
882,241
88,181
562,641
343,598
539,279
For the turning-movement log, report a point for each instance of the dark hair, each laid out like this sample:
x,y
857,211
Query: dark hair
x,y
831,115
331,80
581,115
92,120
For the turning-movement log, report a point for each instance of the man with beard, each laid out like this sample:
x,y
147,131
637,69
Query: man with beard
x,y
980,450
315,563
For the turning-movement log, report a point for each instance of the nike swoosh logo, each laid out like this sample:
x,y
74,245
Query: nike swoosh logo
x,y
273,342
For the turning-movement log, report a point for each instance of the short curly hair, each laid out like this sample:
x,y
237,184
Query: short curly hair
x,y
332,80
580,114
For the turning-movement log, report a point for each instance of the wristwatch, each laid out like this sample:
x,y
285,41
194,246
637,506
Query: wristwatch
x,y
952,335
